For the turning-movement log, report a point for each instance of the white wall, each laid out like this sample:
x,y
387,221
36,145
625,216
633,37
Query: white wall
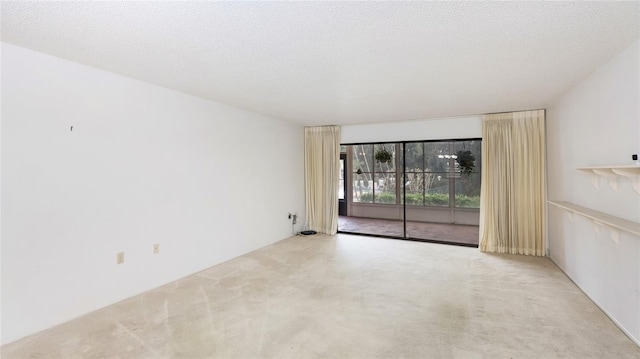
x,y
143,165
417,130
598,123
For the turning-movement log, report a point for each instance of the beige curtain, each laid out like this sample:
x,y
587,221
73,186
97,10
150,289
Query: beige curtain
x,y
321,170
512,198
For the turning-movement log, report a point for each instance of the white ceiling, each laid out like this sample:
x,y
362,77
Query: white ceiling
x,y
338,62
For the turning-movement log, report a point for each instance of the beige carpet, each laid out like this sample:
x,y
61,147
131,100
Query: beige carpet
x,y
349,297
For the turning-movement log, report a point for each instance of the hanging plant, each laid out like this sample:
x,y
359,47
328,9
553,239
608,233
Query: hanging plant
x,y
383,156
467,161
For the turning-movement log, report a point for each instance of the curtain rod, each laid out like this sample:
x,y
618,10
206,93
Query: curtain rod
x,y
497,113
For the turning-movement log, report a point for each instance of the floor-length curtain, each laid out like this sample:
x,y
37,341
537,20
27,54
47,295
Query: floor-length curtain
x,y
321,169
512,196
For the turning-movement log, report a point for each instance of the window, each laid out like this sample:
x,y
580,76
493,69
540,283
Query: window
x,y
427,171
467,184
434,175
374,181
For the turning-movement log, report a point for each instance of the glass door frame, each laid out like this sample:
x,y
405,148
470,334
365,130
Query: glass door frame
x,y
342,202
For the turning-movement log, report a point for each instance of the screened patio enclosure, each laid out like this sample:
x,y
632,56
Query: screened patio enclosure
x,y
408,185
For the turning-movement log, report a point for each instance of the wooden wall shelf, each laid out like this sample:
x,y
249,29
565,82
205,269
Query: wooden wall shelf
x,y
613,173
599,219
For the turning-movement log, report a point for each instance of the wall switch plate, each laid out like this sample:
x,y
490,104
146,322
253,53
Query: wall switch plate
x,y
120,258
156,248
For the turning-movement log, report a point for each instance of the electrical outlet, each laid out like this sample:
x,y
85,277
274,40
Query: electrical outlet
x,y
120,258
295,218
156,248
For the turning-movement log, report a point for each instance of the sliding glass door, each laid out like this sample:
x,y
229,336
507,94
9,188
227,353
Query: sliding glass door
x,y
442,188
423,190
375,192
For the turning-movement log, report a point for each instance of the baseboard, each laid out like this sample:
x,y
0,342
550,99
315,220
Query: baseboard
x,y
614,320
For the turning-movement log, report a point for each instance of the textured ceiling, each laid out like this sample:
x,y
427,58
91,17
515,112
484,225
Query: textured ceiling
x,y
338,62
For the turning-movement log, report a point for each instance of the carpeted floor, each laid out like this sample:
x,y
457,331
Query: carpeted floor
x,y
453,233
348,297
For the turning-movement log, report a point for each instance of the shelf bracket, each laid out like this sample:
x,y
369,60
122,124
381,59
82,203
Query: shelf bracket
x,y
596,226
595,180
615,234
633,174
608,174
